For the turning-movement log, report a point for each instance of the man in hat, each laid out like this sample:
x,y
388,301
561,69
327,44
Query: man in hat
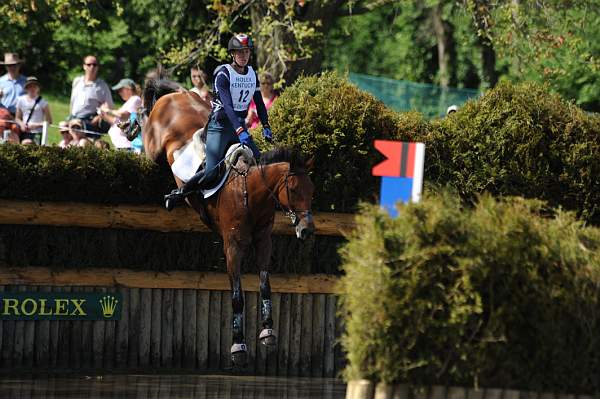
x,y
12,85
88,94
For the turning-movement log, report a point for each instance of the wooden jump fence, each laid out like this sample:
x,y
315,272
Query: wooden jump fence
x,y
184,326
174,320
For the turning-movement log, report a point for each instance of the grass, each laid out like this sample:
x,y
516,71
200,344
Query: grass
x,y
59,108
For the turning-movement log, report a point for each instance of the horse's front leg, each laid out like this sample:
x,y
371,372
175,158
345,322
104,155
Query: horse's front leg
x,y
263,248
234,253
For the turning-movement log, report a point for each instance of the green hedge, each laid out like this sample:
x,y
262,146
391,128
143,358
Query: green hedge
x,y
80,174
494,295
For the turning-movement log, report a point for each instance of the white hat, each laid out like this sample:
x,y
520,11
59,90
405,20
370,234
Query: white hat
x,y
451,109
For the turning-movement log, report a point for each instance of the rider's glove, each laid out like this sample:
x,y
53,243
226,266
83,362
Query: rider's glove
x,y
268,134
244,137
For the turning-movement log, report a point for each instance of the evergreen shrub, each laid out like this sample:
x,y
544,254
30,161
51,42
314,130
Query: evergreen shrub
x,y
329,118
80,174
495,295
519,140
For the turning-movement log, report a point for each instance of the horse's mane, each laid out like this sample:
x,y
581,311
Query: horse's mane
x,y
155,89
284,154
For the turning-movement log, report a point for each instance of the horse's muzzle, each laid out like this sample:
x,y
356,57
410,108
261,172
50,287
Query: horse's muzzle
x,y
306,227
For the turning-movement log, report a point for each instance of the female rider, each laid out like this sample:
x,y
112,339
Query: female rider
x,y
236,85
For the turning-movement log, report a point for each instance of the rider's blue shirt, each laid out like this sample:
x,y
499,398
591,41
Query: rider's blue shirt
x,y
236,109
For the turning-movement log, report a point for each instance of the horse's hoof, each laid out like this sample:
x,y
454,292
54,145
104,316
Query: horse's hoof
x,y
267,337
239,355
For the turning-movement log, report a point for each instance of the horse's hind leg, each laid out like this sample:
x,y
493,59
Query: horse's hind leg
x,y
263,257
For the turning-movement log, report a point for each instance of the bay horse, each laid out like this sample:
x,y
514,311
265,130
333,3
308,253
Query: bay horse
x,y
243,211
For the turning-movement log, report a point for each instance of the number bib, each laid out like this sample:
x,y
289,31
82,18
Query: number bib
x,y
241,87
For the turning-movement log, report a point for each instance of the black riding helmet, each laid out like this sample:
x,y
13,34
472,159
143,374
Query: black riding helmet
x,y
239,42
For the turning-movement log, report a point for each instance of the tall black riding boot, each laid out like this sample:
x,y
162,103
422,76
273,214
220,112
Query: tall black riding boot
x,y
177,195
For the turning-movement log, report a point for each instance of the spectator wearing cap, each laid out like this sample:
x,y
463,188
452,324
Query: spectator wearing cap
x,y
67,138
451,109
12,84
32,112
88,94
129,91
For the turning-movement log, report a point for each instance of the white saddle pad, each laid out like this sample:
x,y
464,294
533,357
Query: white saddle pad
x,y
189,158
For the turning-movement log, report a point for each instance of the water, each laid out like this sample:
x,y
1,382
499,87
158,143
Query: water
x,y
170,386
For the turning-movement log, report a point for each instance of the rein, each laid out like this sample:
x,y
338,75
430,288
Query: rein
x,y
294,215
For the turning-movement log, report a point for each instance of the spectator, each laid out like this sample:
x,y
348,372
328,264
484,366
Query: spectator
x,y
129,92
67,139
32,111
199,80
269,95
88,94
12,85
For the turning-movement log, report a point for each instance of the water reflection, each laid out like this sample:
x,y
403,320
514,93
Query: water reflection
x,y
170,386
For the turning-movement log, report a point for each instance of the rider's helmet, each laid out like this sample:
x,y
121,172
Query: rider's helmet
x,y
239,42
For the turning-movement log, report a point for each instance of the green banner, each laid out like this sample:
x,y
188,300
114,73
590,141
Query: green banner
x,y
60,305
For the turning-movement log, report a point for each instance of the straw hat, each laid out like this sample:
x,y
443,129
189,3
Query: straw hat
x,y
11,59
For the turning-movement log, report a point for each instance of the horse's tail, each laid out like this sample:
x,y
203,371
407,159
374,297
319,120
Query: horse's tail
x,y
155,89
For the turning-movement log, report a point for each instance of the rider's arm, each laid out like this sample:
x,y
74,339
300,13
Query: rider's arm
x,y
222,83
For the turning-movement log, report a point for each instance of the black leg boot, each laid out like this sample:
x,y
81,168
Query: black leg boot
x,y
179,194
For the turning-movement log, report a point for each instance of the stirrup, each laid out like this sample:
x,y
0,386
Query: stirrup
x,y
173,198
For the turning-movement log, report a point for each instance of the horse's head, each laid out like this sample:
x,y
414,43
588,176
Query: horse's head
x,y
295,197
294,189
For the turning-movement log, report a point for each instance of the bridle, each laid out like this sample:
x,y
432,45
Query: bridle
x,y
294,215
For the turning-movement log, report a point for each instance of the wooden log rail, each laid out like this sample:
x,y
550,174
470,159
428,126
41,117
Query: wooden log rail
x,y
143,217
106,277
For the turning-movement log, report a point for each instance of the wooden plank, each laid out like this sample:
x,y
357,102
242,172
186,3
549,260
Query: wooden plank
x,y
144,217
189,329
251,327
145,327
19,338
214,331
110,342
318,335
54,338
29,343
64,340
226,335
156,324
340,358
122,331
76,331
438,392
167,330
202,327
306,340
98,329
329,337
295,335
135,320
87,339
109,277
283,337
177,327
272,355
42,339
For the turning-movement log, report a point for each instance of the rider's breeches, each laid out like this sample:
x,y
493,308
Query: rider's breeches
x,y
220,134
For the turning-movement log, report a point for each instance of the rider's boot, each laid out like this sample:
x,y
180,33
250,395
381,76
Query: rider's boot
x,y
177,195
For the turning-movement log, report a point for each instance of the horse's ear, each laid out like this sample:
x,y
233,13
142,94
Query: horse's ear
x,y
310,164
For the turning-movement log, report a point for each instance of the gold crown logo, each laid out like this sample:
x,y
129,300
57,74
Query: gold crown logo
x,y
108,304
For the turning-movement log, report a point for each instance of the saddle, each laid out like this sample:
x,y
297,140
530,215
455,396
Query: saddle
x,y
190,158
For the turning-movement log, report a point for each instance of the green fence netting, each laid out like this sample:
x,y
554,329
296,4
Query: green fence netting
x,y
400,95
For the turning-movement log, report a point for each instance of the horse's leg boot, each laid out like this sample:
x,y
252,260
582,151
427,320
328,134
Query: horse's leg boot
x,y
239,355
268,337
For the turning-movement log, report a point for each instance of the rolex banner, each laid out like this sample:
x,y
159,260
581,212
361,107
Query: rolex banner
x,y
60,305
